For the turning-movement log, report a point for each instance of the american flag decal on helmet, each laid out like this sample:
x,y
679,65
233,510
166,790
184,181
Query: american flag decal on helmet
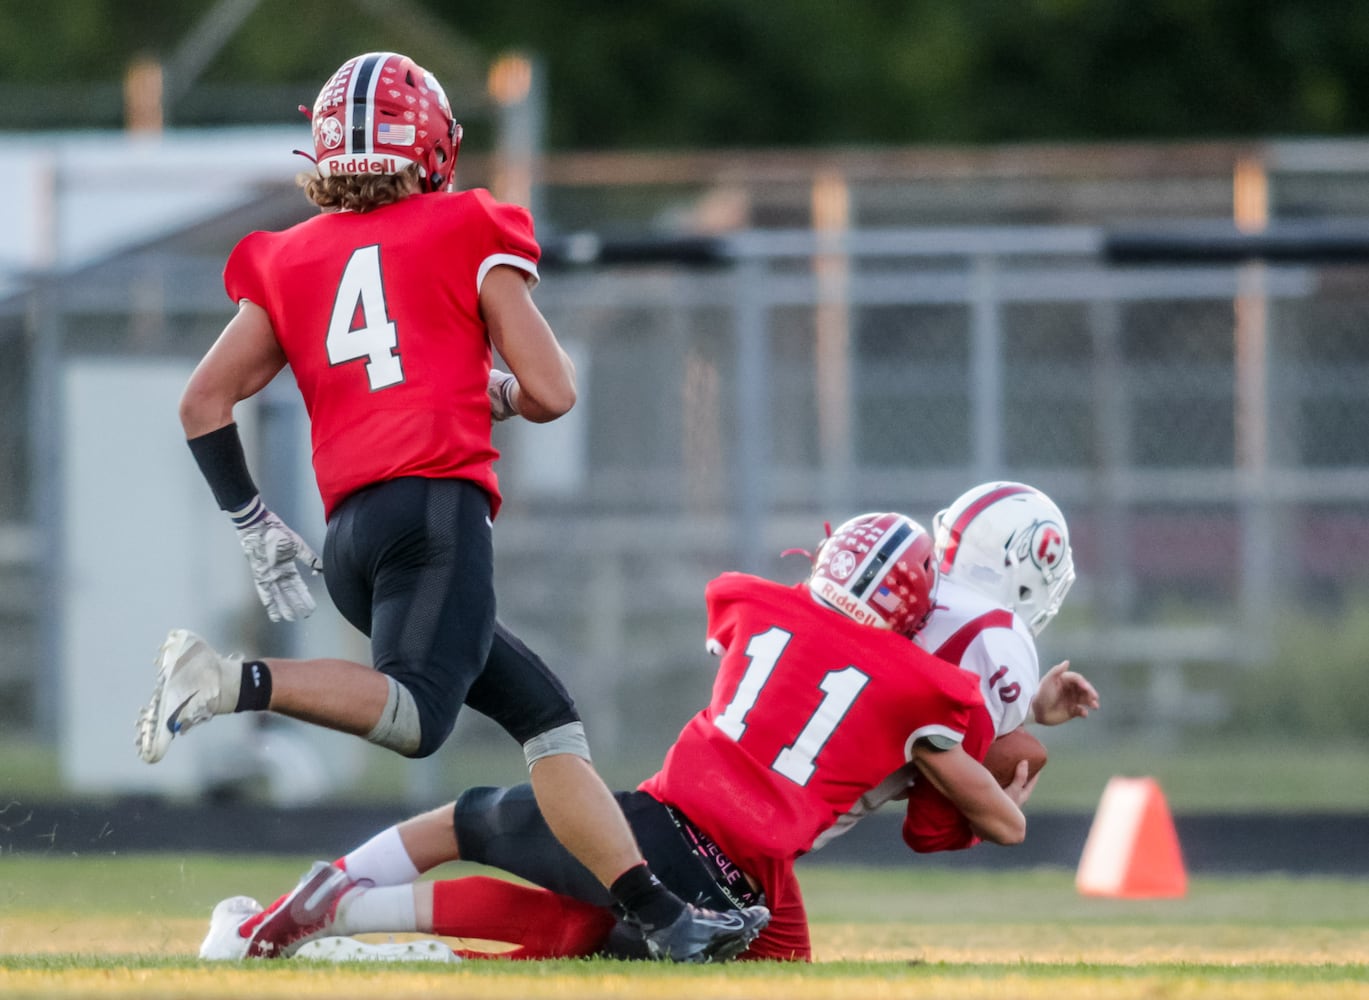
x,y
395,135
886,598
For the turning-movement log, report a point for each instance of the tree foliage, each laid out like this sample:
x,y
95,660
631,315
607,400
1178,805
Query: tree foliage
x,y
732,73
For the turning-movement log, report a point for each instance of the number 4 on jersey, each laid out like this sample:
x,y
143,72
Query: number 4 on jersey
x,y
361,294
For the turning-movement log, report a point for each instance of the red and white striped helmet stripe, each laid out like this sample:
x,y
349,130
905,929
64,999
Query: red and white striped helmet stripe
x,y
957,530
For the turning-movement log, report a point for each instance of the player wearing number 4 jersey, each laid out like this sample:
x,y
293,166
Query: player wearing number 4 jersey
x,y
387,343
386,307
818,696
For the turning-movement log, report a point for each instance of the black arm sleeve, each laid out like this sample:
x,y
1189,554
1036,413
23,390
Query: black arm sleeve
x,y
221,460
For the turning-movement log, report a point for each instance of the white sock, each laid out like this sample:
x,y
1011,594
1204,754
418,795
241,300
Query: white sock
x,y
364,911
382,860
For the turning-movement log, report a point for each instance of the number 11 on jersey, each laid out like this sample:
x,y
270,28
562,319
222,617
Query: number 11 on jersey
x,y
840,689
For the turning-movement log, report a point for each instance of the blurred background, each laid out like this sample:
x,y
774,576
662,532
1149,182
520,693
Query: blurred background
x,y
810,259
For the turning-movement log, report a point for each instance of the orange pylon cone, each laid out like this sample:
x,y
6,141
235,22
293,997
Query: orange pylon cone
x,y
1132,850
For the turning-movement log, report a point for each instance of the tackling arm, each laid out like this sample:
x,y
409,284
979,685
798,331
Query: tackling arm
x,y
993,813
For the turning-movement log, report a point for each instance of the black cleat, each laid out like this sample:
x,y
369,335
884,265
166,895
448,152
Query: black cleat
x,y
699,935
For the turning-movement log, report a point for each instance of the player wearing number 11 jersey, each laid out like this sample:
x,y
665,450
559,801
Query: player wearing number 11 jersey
x,y
811,710
818,696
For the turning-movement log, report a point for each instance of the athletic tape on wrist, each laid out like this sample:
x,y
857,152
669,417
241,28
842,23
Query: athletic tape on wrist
x,y
569,738
246,516
506,393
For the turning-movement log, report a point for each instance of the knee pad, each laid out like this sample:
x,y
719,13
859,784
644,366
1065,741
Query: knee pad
x,y
569,738
412,723
409,726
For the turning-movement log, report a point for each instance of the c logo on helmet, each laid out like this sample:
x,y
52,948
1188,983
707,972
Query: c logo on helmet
x,y
1047,544
330,132
843,564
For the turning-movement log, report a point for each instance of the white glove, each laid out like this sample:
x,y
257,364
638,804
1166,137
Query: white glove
x,y
272,548
500,391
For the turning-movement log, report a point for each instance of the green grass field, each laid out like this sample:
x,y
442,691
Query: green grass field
x,y
130,926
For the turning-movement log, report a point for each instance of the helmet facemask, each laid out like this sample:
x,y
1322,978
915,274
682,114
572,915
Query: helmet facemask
x,y
1035,604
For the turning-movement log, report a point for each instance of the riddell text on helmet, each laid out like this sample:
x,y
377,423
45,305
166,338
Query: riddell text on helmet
x,y
844,602
361,165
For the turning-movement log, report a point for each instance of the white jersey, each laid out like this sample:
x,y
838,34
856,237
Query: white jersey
x,y
973,632
976,634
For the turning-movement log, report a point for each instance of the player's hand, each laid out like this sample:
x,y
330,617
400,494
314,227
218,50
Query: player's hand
x,y
1022,786
272,549
500,391
1063,695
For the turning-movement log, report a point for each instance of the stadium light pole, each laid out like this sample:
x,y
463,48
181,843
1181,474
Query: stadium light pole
x,y
517,89
1250,211
144,96
831,212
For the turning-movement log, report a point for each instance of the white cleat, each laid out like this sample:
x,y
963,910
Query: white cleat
x,y
223,943
346,949
194,684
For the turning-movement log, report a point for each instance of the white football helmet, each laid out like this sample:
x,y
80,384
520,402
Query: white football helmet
x,y
1009,542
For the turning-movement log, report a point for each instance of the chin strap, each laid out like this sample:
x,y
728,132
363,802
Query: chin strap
x,y
307,113
826,527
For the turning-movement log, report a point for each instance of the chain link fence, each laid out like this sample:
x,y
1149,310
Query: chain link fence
x,y
1203,425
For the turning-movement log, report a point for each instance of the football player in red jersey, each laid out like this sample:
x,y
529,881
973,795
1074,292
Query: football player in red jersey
x,y
385,307
819,696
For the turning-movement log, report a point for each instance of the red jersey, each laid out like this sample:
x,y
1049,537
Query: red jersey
x,y
809,711
378,314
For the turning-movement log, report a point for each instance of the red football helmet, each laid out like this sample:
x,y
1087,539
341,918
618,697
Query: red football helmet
x,y
381,112
877,569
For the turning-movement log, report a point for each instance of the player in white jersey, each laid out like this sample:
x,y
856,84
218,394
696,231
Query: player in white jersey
x,y
979,635
1003,554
